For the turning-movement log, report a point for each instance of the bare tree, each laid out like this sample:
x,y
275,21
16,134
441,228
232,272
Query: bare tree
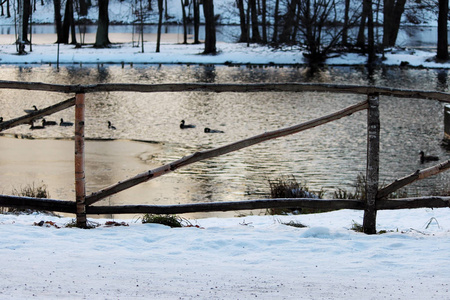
x,y
158,37
8,12
210,27
442,44
393,11
243,23
315,17
102,36
196,4
68,25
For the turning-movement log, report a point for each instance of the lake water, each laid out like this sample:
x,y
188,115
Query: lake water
x,y
327,157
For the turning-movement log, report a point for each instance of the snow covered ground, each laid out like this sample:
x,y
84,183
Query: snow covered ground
x,y
174,53
253,257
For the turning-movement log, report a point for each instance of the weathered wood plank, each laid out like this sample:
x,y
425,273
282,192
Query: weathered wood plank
x,y
221,88
389,204
418,202
38,204
202,155
70,206
373,164
228,206
80,183
419,174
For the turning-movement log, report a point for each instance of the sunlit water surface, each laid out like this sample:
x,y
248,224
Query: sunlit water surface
x,y
324,158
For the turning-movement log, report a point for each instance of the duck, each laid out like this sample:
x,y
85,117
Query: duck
x,y
29,111
183,125
1,119
426,158
48,123
111,126
65,124
36,127
209,130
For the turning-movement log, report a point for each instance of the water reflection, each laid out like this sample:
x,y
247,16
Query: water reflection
x,y
325,157
442,84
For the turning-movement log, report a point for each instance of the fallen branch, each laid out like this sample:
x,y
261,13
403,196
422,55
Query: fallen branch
x,y
419,174
27,119
202,155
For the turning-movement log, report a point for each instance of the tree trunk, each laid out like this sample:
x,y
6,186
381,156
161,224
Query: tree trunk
x,y
243,24
101,38
210,27
158,37
256,37
264,21
68,20
442,46
58,22
166,11
346,23
183,10
361,39
196,21
276,20
83,7
289,22
26,18
392,16
370,36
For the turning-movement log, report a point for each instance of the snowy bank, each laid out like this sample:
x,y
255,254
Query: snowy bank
x,y
174,53
230,258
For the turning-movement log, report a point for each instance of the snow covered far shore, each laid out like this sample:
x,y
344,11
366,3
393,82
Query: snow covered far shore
x,y
175,53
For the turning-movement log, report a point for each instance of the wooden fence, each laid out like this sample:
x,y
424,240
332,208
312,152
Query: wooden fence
x,y
376,197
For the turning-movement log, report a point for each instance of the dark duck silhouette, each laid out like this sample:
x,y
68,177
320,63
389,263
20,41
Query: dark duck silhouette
x,y
33,127
48,123
183,125
209,130
1,119
29,111
425,158
65,124
111,126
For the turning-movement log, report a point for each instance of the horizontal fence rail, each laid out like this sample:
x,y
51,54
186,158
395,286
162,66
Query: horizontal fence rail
x,y
222,88
358,204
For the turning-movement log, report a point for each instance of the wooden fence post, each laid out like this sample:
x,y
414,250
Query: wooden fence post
x,y
447,124
80,184
373,162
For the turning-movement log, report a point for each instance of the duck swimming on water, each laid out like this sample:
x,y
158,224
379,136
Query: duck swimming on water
x,y
111,126
36,127
426,158
65,124
48,123
209,130
29,111
183,125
